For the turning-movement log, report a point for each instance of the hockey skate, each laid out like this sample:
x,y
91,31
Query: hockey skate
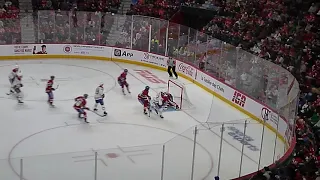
x,y
161,116
9,93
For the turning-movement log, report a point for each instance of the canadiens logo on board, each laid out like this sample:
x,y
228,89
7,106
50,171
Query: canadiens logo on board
x,y
67,49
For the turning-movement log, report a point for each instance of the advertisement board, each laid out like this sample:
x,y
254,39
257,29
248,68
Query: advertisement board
x,y
85,50
186,69
212,84
145,57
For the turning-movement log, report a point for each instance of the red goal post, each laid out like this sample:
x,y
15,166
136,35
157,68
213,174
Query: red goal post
x,y
179,93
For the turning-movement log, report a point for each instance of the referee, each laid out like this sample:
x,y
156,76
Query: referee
x,y
172,66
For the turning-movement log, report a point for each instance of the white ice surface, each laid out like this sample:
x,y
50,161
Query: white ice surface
x,y
55,144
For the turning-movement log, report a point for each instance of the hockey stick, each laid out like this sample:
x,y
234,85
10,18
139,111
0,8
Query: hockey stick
x,y
57,87
101,115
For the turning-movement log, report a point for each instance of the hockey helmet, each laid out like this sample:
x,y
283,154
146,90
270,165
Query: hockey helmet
x,y
125,70
85,96
52,77
101,84
147,88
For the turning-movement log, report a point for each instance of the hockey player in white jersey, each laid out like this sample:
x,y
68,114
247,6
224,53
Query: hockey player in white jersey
x,y
12,76
16,85
99,96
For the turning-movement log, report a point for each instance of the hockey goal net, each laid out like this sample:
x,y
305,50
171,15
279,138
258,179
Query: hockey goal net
x,y
179,93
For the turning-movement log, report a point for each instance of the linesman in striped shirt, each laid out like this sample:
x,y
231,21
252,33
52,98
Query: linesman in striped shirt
x,y
172,67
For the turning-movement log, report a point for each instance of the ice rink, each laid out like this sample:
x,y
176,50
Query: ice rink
x,y
55,144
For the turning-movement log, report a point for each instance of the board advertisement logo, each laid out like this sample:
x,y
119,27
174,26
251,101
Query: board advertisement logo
x,y
211,82
117,52
239,99
122,53
22,49
154,59
186,69
268,115
67,49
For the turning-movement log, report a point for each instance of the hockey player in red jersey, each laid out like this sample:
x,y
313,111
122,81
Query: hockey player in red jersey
x,y
122,80
162,102
144,99
80,106
167,99
49,90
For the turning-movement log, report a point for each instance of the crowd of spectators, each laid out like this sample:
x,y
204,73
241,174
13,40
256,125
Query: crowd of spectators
x,y
282,31
10,31
163,9
286,33
79,5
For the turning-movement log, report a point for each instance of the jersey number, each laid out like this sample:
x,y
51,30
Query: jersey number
x,y
79,102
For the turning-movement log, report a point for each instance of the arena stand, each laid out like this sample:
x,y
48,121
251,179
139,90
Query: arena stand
x,y
287,35
155,8
291,41
10,31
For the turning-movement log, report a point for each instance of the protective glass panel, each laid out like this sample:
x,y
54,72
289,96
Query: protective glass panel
x,y
213,59
62,28
92,28
173,40
46,26
78,24
141,31
178,156
158,35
